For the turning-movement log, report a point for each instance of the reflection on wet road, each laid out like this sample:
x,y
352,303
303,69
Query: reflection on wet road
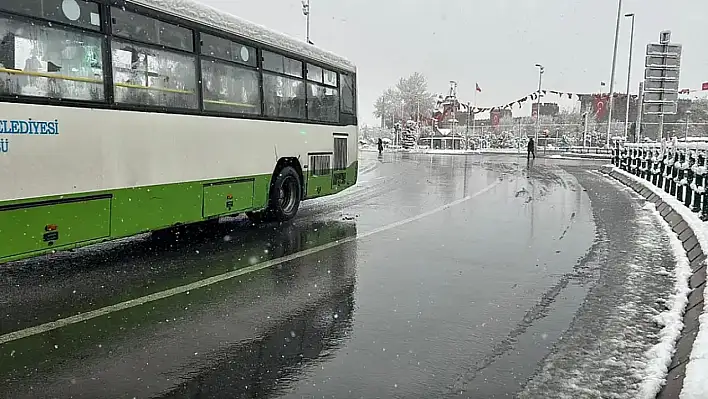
x,y
436,276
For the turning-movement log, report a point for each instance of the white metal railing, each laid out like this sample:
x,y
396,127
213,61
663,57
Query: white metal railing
x,y
678,168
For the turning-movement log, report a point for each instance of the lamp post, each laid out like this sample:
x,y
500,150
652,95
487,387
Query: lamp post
x,y
685,133
538,105
629,75
612,74
306,12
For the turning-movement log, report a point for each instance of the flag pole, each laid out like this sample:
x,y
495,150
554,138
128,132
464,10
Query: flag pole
x,y
467,130
474,98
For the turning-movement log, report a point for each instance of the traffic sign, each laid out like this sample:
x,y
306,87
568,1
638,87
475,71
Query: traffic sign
x,y
659,49
661,76
661,73
665,37
657,61
660,108
660,96
661,85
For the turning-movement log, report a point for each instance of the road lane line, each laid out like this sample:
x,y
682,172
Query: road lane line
x,y
82,317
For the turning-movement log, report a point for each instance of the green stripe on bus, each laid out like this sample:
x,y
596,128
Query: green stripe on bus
x,y
61,223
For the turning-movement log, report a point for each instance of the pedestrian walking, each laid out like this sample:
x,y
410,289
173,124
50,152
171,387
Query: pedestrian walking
x,y
531,149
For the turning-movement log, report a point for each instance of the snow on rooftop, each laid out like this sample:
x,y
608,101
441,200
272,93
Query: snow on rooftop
x,y
207,15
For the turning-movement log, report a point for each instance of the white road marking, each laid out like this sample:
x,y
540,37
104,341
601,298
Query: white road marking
x,y
81,317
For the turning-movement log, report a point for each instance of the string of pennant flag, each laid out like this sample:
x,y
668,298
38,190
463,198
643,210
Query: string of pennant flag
x,y
533,97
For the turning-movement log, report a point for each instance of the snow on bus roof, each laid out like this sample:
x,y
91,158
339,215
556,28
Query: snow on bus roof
x,y
207,15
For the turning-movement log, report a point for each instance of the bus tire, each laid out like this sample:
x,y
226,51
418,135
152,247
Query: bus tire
x,y
285,195
283,199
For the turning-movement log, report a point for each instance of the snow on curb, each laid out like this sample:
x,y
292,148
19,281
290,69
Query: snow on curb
x,y
659,356
695,383
449,152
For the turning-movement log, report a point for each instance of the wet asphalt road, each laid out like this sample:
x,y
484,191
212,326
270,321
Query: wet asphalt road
x,y
437,276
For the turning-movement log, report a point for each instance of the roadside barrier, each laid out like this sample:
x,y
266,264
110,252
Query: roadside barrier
x,y
677,168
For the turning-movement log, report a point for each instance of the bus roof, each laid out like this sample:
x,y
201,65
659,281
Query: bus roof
x,y
207,15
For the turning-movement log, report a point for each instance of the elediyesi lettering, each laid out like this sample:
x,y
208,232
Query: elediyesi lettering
x,y
28,127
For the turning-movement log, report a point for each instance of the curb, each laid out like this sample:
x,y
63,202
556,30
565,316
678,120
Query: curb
x,y
697,282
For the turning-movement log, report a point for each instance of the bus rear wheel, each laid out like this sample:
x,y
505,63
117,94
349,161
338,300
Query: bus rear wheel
x,y
283,200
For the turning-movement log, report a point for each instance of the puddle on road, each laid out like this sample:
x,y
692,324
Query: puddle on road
x,y
247,336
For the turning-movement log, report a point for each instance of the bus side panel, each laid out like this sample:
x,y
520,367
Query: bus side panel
x,y
118,213
228,197
45,226
141,209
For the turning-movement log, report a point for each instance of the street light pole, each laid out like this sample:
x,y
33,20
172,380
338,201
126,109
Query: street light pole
x,y
629,75
538,105
306,12
612,74
688,118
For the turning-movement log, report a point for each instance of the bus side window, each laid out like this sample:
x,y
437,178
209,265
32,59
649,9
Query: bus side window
x,y
228,88
322,103
43,61
228,50
147,76
284,97
322,95
79,13
145,29
347,93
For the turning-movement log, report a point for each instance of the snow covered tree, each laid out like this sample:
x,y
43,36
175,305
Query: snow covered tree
x,y
413,94
387,106
403,102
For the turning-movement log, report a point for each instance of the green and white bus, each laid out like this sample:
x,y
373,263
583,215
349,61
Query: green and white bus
x,y
119,117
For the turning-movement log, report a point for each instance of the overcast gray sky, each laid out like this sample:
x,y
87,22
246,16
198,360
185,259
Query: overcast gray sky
x,y
493,42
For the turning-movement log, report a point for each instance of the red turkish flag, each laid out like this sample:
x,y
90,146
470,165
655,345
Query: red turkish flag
x,y
600,103
495,118
704,86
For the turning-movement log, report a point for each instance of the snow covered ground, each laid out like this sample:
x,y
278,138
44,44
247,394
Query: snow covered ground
x,y
571,155
509,151
619,345
660,355
695,384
